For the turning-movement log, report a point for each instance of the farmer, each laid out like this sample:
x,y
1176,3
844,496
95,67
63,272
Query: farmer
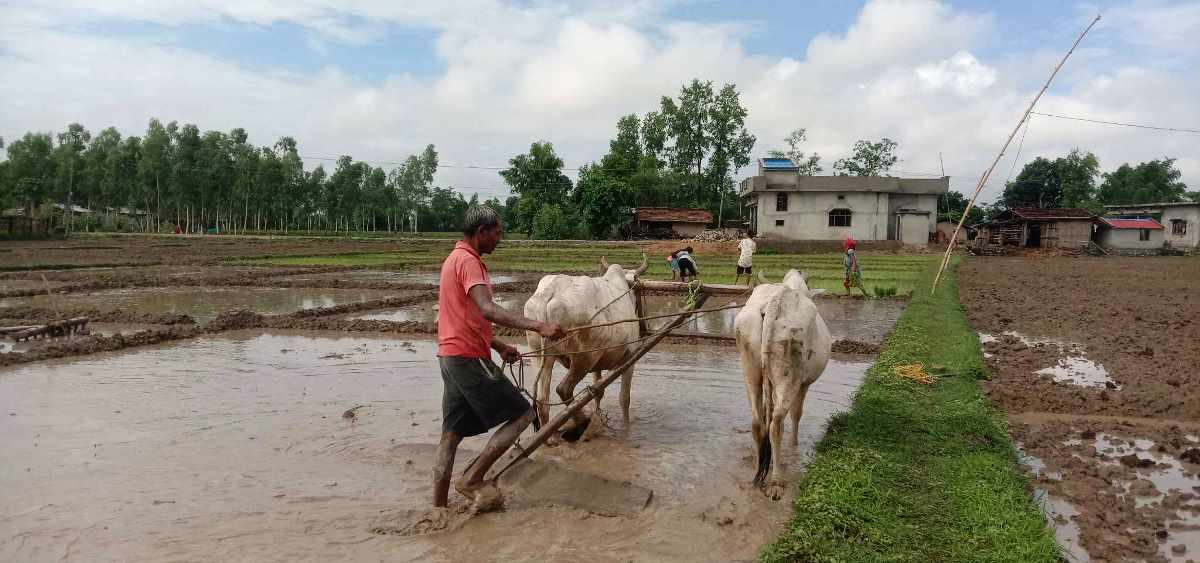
x,y
673,264
746,249
687,264
853,273
477,396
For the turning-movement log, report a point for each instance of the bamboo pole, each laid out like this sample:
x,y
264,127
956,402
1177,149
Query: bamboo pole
x,y
589,394
986,173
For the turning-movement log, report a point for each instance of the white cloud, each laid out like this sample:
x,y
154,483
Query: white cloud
x,y
909,70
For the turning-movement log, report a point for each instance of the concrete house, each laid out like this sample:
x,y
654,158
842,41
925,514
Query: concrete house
x,y
1180,221
787,206
1125,235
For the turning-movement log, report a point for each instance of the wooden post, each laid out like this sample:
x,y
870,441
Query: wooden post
x,y
588,395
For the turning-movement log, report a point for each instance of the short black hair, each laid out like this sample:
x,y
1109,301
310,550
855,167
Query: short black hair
x,y
479,217
689,249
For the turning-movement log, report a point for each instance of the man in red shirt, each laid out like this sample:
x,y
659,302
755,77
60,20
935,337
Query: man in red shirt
x,y
477,396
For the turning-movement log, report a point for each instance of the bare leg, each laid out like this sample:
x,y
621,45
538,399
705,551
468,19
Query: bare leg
x,y
499,443
443,467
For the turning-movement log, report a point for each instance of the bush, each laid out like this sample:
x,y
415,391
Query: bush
x,y
551,223
882,292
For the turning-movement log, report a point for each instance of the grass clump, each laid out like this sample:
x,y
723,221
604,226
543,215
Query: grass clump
x,y
917,472
883,292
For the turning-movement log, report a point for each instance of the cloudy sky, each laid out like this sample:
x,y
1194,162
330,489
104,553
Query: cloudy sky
x,y
480,79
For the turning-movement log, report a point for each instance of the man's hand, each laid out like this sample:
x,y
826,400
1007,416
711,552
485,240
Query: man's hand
x,y
509,354
551,331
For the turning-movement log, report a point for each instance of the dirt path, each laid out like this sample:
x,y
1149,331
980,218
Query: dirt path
x,y
1095,360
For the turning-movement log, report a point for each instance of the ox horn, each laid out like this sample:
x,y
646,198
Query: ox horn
x,y
603,264
641,269
762,278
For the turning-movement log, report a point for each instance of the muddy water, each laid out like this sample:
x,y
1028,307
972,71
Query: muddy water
x,y
428,312
235,447
398,277
853,319
201,303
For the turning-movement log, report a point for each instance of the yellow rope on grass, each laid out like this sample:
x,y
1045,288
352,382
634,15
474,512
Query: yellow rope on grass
x,y
915,372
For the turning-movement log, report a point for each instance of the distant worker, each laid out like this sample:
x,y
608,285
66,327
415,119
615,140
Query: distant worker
x,y
477,397
686,262
673,264
746,248
853,273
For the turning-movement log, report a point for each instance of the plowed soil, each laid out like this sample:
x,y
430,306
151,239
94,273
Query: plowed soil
x,y
1139,318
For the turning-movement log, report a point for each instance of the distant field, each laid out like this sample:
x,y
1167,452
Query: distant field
x,y
824,270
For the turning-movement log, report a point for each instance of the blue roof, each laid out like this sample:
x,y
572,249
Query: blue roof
x,y
778,163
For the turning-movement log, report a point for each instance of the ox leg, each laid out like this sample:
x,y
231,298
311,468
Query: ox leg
x,y
596,420
783,398
797,412
573,430
542,391
752,374
626,387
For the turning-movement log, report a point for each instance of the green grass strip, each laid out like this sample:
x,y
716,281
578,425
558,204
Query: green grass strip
x,y
917,472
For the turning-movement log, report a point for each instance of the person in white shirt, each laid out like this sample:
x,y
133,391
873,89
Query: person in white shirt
x,y
746,249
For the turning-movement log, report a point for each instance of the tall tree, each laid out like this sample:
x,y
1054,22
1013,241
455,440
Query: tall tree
x,y
809,164
69,154
31,170
538,179
869,159
1149,182
1068,181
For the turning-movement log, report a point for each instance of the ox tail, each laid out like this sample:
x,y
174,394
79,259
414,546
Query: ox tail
x,y
768,354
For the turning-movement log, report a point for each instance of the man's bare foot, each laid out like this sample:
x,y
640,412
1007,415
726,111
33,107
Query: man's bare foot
x,y
485,495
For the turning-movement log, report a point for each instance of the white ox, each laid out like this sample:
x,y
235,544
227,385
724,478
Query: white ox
x,y
784,346
574,301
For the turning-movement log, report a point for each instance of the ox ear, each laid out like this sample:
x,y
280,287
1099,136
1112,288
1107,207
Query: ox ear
x,y
641,269
603,264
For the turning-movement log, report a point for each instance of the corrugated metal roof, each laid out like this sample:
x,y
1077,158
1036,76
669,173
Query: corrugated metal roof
x,y
1132,223
673,214
1033,213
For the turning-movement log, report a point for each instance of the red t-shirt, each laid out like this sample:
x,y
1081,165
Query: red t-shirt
x,y
462,330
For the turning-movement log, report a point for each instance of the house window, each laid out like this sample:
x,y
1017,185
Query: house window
x,y
779,222
781,201
839,218
1144,235
1178,227
841,197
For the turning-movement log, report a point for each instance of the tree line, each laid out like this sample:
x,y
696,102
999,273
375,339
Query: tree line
x,y
197,180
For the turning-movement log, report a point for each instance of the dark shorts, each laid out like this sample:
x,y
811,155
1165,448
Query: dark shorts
x,y
687,267
477,396
744,270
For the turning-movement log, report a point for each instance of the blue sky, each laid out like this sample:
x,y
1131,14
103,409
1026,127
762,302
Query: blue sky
x,y
481,79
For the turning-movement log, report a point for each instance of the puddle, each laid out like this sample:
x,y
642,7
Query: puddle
x,y
1078,370
234,447
1057,511
203,304
431,278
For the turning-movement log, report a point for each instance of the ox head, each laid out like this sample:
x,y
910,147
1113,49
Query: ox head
x,y
629,275
798,280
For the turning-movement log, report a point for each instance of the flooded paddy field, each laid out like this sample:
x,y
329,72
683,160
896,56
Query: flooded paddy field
x,y
235,446
1094,362
399,277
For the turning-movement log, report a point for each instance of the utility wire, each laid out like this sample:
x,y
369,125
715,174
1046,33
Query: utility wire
x,y
1017,156
1102,122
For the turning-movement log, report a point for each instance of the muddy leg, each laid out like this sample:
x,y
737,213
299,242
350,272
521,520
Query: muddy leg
x,y
443,466
626,387
566,392
776,483
596,420
752,374
499,443
545,373
797,412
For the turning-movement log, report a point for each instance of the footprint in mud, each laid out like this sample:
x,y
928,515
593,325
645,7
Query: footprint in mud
x,y
408,523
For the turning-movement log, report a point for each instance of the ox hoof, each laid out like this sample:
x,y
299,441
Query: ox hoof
x,y
775,491
574,433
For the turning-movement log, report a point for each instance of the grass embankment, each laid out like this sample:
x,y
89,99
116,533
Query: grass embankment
x,y
824,270
915,472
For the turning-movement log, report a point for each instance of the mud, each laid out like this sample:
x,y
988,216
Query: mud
x,y
81,346
1095,363
234,447
199,303
40,315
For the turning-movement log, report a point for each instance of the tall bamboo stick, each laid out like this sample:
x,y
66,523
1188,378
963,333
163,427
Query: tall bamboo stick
x,y
986,173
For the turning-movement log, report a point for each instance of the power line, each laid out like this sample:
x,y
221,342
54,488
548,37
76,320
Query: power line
x,y
1102,122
